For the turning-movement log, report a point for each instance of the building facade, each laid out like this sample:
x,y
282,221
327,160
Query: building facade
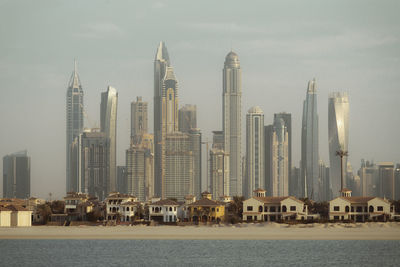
x,y
17,175
165,113
279,183
232,120
254,151
139,119
187,118
108,125
338,136
369,177
309,145
386,180
74,119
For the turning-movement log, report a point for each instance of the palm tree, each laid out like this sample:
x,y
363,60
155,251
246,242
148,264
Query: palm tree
x,y
341,153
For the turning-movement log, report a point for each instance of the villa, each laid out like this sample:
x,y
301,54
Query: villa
x,y
270,209
165,210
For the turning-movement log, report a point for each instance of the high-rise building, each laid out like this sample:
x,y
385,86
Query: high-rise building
x,y
108,125
369,177
140,168
295,182
338,131
74,112
139,123
268,130
280,159
219,172
179,163
122,182
309,145
17,175
287,119
187,118
232,119
195,143
386,179
325,185
94,163
397,182
165,113
254,151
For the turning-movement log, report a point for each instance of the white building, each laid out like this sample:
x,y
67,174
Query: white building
x,y
115,206
359,209
5,217
269,209
165,210
129,210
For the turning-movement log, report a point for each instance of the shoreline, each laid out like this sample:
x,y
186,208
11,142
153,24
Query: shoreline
x,y
262,231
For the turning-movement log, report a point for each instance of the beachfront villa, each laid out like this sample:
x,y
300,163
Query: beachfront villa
x,y
165,210
78,205
270,209
359,209
205,209
15,216
129,210
116,209
5,217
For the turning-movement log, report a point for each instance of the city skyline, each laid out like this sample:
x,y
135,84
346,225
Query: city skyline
x,y
357,54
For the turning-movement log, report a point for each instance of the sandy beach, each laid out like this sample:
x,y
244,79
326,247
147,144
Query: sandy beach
x,y
267,231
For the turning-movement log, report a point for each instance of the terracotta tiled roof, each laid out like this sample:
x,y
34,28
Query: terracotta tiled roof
x,y
130,203
16,208
206,202
4,209
259,190
358,200
165,202
276,200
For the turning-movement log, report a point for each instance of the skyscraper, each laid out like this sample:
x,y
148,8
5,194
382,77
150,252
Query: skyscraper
x,y
369,176
179,161
268,130
338,136
187,118
325,185
254,150
17,175
108,125
386,180
309,145
280,159
139,123
94,163
287,119
232,119
74,114
122,183
195,147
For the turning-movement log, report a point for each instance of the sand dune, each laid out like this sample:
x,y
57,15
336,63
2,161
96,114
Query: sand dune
x,y
266,231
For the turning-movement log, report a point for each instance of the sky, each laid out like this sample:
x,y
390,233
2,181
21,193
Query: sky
x,y
351,46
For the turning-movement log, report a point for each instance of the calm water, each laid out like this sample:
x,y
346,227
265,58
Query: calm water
x,y
197,253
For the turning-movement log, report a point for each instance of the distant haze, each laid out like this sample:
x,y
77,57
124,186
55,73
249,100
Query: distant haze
x,y
351,46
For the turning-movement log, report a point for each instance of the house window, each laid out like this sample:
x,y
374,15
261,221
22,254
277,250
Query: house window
x,y
174,208
260,208
170,208
336,217
213,209
266,209
217,209
359,209
292,208
347,209
249,208
336,208
380,208
272,209
249,218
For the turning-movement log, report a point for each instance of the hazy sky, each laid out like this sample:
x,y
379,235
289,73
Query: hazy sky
x,y
351,46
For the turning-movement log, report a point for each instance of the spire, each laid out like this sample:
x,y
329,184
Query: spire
x,y
74,81
162,53
312,86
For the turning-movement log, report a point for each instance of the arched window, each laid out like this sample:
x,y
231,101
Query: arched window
x,y
260,208
371,208
347,209
127,208
127,218
284,209
170,208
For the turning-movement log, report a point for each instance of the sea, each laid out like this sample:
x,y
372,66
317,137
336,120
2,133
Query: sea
x,y
198,253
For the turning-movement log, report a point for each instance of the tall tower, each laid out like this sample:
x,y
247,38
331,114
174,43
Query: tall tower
x,y
309,145
254,150
187,118
139,123
165,112
17,175
338,131
108,125
232,119
74,112
287,119
280,159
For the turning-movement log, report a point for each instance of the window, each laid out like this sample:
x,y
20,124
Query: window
x,y
272,209
174,208
249,208
336,217
379,208
127,208
336,208
347,209
371,208
170,208
260,208
217,209
249,218
359,209
292,208
213,209
266,209
284,209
